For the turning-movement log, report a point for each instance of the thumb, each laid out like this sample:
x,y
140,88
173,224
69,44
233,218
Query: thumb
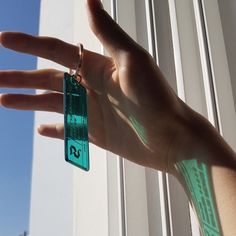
x,y
111,35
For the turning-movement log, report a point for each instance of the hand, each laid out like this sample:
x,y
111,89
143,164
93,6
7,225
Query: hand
x,y
132,110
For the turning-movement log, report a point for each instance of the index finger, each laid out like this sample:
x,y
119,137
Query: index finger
x,y
56,50
47,47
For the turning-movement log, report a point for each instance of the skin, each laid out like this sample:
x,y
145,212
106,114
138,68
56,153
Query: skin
x,y
128,97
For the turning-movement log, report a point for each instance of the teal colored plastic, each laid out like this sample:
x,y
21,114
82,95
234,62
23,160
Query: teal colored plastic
x,y
197,180
76,123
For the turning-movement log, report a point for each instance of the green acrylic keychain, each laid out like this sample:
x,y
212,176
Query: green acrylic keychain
x,y
76,120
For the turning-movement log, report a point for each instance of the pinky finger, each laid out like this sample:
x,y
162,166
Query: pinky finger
x,y
52,130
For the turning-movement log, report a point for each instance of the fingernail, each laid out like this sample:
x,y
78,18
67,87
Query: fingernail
x,y
0,100
40,128
0,38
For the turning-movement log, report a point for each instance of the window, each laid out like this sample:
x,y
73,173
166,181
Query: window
x,y
116,197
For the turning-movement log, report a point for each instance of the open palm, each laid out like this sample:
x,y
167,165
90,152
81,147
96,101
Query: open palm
x,y
132,110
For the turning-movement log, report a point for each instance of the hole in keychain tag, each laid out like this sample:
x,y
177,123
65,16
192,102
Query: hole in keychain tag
x,y
76,122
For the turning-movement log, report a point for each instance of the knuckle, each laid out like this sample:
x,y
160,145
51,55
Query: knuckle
x,y
56,102
52,47
53,79
138,55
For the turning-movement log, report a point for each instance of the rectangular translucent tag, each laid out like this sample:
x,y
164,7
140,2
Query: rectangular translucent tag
x,y
76,123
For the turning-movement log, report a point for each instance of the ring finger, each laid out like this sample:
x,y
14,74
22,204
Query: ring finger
x,y
52,102
48,79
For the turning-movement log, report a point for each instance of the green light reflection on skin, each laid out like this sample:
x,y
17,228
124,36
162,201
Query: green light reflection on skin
x,y
139,129
196,177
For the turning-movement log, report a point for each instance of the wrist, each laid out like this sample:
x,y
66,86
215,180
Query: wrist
x,y
200,141
207,171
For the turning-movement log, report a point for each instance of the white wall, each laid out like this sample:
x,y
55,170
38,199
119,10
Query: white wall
x,y
51,210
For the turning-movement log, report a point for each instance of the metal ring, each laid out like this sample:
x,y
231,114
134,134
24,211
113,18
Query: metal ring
x,y
77,71
79,78
80,62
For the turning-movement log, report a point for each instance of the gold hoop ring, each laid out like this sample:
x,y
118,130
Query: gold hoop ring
x,y
77,71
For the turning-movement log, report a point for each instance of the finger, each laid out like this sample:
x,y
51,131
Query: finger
x,y
58,51
111,35
52,102
57,131
52,130
46,47
38,79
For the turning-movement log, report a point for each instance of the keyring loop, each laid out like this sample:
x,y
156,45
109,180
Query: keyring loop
x,y
77,72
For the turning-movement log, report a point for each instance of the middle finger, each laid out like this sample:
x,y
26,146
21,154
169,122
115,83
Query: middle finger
x,y
48,79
